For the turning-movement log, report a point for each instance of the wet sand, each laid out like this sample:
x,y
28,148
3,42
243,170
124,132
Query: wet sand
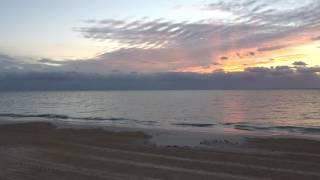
x,y
32,151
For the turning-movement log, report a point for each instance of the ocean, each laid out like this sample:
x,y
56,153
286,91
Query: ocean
x,y
270,112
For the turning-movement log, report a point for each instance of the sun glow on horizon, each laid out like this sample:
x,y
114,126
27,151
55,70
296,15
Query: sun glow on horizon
x,y
239,60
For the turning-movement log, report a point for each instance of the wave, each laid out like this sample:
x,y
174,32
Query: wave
x,y
49,116
65,117
313,130
194,124
100,119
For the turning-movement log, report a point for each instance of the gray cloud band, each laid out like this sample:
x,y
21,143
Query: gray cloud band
x,y
163,45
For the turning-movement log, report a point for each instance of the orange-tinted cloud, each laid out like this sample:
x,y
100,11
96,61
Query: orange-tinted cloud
x,y
255,33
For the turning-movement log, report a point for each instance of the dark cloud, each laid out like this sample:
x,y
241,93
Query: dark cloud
x,y
311,70
224,58
282,77
252,53
11,64
315,38
299,63
239,55
8,63
271,48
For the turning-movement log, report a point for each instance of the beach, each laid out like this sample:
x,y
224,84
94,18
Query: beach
x,y
160,90
41,150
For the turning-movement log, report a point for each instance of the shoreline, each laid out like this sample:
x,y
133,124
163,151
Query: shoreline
x,y
40,150
200,137
217,139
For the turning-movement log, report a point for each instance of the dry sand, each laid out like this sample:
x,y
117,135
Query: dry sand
x,y
41,151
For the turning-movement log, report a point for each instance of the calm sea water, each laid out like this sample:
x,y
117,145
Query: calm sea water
x,y
276,111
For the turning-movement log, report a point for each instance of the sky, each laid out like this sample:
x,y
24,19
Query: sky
x,y
168,36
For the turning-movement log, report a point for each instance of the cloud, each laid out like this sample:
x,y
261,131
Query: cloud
x,y
8,63
132,59
201,43
50,61
283,14
299,63
251,53
282,77
164,45
315,38
271,48
224,58
216,64
193,41
11,64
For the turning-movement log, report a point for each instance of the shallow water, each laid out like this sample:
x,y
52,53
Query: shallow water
x,y
295,112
